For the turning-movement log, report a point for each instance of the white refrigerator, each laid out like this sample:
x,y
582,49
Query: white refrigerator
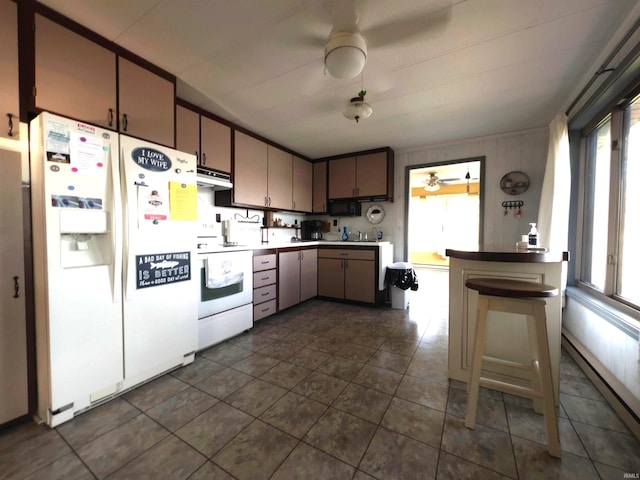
x,y
116,290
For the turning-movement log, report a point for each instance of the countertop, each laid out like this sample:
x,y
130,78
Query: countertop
x,y
508,254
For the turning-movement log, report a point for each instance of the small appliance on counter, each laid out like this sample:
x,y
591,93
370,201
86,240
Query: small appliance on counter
x,y
311,229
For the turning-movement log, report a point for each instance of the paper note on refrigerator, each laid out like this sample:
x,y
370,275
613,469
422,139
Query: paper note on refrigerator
x,y
183,201
87,153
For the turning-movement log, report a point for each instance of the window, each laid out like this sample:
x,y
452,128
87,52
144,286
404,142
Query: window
x,y
611,224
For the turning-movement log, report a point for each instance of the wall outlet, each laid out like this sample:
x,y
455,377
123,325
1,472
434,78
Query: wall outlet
x,y
218,219
335,222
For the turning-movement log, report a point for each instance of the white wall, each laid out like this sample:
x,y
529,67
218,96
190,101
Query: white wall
x,y
525,151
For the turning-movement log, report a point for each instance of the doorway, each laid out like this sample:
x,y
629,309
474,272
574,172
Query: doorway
x,y
443,210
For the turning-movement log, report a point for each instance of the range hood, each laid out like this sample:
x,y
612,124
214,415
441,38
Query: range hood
x,y
214,180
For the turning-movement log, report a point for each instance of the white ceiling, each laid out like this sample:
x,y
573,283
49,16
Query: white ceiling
x,y
437,70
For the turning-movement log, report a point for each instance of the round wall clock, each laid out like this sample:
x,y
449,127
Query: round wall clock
x,y
514,183
375,214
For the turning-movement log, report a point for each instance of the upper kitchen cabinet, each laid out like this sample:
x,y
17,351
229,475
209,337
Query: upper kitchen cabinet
x,y
250,171
208,139
215,145
75,77
302,185
9,89
262,175
187,131
279,179
362,176
146,103
320,187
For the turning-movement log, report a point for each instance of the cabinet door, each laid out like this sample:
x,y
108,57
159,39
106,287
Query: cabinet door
x,y
360,280
320,187
288,279
330,277
342,178
9,104
14,388
280,178
371,175
75,77
302,185
215,142
250,171
308,274
146,104
188,131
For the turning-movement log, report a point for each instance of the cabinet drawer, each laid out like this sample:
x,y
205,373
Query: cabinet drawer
x,y
264,310
347,254
264,262
266,277
263,294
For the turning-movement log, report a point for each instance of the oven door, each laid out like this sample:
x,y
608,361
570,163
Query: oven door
x,y
226,281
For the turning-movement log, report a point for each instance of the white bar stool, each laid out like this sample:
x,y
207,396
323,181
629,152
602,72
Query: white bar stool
x,y
524,298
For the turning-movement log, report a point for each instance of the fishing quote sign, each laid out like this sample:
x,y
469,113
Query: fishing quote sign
x,y
162,269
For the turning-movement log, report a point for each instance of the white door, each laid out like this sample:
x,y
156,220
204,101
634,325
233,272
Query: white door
x,y
161,274
13,334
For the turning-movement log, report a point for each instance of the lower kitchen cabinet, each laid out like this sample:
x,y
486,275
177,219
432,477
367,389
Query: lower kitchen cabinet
x,y
347,274
297,276
264,285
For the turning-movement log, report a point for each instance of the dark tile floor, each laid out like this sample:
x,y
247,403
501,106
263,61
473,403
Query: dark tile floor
x,y
326,391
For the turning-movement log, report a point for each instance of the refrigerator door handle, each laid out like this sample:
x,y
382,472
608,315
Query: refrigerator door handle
x,y
116,224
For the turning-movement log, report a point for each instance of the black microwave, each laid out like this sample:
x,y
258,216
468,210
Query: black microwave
x,y
345,208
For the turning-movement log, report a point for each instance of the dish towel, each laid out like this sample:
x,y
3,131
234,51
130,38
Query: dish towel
x,y
220,272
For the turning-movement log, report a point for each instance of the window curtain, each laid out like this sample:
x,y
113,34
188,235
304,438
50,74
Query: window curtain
x,y
553,215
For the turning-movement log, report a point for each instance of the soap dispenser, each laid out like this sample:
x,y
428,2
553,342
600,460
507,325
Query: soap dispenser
x,y
533,236
345,235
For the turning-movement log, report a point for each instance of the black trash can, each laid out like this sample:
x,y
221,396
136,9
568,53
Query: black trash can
x,y
402,277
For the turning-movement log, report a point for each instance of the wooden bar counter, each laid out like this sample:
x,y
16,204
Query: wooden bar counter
x,y
506,333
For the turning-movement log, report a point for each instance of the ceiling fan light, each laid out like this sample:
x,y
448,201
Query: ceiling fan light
x,y
432,187
357,109
345,55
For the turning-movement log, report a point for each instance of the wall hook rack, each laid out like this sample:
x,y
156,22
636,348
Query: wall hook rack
x,y
513,204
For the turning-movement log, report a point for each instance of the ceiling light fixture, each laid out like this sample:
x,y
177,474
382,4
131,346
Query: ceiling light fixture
x,y
357,108
432,184
345,54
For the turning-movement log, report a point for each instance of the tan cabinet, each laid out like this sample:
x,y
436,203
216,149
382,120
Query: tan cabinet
x,y
347,274
262,174
75,77
208,139
9,88
146,104
302,185
187,131
320,187
250,171
215,145
264,286
297,276
279,179
363,176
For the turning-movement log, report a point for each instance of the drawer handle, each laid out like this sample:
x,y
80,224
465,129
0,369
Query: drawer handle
x,y
10,115
264,278
344,254
264,294
265,262
265,310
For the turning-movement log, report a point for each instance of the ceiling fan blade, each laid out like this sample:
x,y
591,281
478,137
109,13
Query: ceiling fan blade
x,y
403,29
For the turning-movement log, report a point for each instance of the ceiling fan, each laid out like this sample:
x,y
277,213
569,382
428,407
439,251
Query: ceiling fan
x,y
432,184
346,49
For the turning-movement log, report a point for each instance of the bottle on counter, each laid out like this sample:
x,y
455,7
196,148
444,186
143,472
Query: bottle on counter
x,y
533,236
345,235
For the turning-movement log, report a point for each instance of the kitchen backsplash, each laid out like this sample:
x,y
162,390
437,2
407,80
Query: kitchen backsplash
x,y
211,227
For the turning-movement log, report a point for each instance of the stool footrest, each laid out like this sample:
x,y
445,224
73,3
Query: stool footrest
x,y
507,363
518,390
